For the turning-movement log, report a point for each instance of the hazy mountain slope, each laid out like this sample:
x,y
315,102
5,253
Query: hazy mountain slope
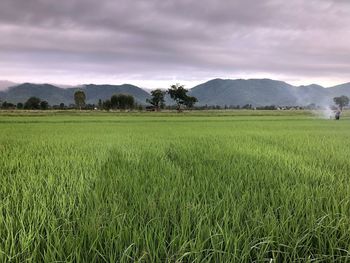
x,y
343,89
311,94
22,92
4,84
2,95
240,92
56,95
96,92
260,92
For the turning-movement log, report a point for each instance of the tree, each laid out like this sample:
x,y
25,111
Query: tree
x,y
341,101
107,105
115,101
79,98
7,105
122,101
179,94
130,102
190,101
44,105
157,99
99,104
19,105
62,106
33,103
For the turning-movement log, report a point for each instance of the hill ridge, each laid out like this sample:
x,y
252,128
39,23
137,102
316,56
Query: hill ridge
x,y
218,91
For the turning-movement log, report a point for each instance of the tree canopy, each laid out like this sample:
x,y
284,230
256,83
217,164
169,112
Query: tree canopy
x,y
44,105
157,99
122,101
179,94
341,101
190,101
79,98
33,103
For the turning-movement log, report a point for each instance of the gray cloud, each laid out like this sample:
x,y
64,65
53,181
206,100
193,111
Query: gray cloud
x,y
156,39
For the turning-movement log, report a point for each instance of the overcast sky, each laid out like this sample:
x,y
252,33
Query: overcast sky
x,y
154,43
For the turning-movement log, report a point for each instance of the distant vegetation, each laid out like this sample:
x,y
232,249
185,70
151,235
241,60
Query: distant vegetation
x,y
79,98
223,93
157,99
178,98
341,101
127,102
179,94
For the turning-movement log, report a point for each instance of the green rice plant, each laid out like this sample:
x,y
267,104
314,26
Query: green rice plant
x,y
195,187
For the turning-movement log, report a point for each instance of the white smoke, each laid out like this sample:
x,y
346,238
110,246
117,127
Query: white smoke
x,y
325,113
305,96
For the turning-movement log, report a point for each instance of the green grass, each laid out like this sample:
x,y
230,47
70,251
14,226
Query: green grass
x,y
196,187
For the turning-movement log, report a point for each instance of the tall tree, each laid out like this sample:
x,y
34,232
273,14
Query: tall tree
x,y
33,103
178,93
79,98
341,101
157,99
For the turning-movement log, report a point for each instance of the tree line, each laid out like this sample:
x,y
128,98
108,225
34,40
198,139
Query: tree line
x,y
33,103
156,102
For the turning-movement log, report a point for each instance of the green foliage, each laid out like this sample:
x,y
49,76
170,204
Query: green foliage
x,y
199,187
190,101
7,105
341,101
79,98
44,105
33,103
122,101
20,105
107,105
157,99
179,94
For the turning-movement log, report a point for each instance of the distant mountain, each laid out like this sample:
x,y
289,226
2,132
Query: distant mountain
x,y
55,95
258,92
4,84
50,93
261,92
240,92
343,89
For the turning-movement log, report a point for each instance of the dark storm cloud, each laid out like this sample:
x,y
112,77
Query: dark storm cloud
x,y
185,38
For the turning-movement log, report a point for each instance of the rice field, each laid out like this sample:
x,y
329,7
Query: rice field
x,y
192,187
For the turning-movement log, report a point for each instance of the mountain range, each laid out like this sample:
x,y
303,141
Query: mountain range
x,y
262,92
56,95
258,92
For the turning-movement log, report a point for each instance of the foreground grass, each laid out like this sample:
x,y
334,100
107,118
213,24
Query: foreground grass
x,y
169,188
